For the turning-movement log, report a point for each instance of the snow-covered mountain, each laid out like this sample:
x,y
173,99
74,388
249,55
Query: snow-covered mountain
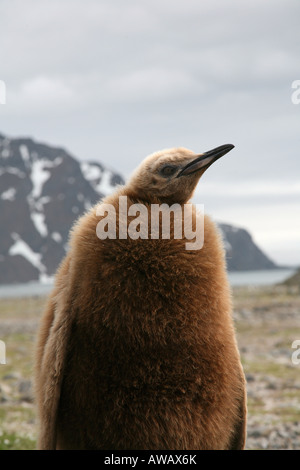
x,y
43,190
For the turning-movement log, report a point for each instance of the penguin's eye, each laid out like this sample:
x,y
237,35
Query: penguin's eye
x,y
168,170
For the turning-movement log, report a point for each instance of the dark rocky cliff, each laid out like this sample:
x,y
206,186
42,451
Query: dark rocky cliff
x,y
43,189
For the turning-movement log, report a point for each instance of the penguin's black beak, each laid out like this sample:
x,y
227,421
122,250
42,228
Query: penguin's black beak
x,y
205,160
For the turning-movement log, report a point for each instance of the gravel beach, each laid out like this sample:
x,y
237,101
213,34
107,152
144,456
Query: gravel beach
x,y
267,321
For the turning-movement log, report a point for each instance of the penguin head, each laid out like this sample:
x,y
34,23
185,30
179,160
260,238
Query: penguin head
x,y
172,175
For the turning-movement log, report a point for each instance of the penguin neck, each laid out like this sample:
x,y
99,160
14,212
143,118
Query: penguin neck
x,y
141,196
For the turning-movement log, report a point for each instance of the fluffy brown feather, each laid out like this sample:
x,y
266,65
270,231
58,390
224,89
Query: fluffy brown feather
x,y
136,348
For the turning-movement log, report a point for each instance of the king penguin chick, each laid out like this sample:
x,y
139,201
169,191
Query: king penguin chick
x,y
136,348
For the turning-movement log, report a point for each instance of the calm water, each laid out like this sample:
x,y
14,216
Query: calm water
x,y
260,278
236,279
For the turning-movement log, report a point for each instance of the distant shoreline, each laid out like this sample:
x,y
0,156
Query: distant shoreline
x,y
236,279
260,277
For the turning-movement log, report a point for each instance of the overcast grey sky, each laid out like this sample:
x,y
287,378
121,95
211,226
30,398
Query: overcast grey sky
x,y
116,80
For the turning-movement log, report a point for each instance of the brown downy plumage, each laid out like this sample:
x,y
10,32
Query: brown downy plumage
x,y
136,348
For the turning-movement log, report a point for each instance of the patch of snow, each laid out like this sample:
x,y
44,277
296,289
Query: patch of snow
x,y
94,173
45,279
25,154
38,219
5,153
90,172
56,162
21,248
56,237
105,186
226,243
39,204
39,173
75,210
12,171
39,176
45,200
9,194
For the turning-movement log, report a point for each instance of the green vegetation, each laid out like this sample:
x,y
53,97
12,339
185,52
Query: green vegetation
x,y
293,280
15,442
267,321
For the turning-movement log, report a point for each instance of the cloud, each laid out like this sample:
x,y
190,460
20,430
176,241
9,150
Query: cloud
x,y
152,84
41,94
115,81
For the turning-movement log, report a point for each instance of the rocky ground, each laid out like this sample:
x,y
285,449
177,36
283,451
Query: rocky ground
x,y
267,323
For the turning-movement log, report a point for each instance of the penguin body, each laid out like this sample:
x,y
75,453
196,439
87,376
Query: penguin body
x,y
136,348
